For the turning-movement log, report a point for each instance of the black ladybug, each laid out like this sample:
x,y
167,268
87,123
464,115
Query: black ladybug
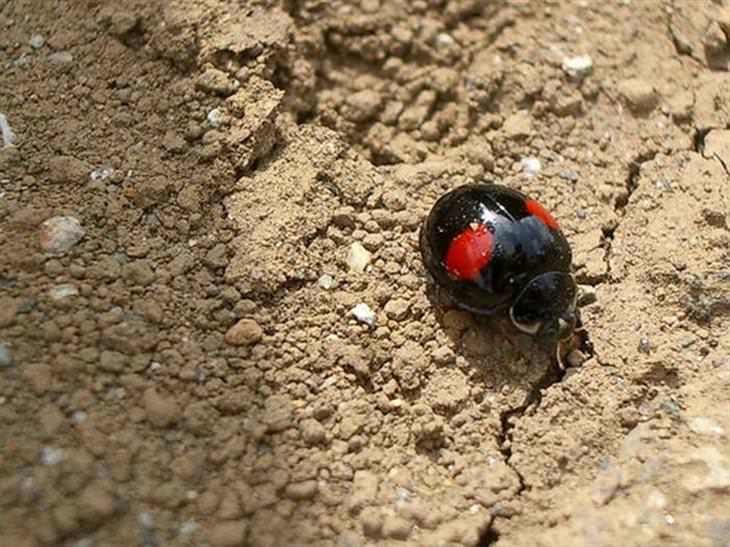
x,y
495,250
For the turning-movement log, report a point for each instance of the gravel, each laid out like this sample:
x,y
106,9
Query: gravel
x,y
7,133
59,234
37,41
60,292
326,281
531,166
358,258
6,356
364,314
578,67
51,456
644,344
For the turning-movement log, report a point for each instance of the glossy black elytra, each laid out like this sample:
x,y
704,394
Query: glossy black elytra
x,y
495,250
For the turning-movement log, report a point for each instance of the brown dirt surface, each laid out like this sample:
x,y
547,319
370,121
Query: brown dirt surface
x,y
186,188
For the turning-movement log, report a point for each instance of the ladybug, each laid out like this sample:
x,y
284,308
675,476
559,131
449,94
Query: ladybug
x,y
497,251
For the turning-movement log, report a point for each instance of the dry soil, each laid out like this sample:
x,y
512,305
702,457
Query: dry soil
x,y
181,186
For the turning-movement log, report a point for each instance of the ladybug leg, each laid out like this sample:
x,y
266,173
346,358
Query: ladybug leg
x,y
559,355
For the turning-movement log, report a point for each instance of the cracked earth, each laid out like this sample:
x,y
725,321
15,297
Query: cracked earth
x,y
194,196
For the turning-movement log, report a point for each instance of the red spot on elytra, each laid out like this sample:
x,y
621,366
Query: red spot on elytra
x,y
469,252
535,209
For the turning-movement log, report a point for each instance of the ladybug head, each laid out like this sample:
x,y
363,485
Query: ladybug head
x,y
546,306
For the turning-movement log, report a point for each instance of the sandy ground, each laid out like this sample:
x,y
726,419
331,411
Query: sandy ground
x,y
179,364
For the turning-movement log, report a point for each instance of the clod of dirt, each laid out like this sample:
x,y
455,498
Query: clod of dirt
x,y
639,95
245,332
161,411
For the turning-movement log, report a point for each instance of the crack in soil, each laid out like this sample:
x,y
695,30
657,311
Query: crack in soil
x,y
632,177
509,420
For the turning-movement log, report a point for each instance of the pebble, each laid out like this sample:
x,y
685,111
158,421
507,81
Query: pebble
x,y
299,491
639,95
215,117
6,356
569,175
531,166
59,234
644,344
228,534
37,41
364,314
358,258
244,333
101,173
326,281
188,527
61,58
5,131
51,456
60,292
161,411
578,67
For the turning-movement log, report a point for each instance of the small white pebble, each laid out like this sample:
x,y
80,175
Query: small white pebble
x,y
188,527
531,166
37,41
79,417
364,314
101,173
578,67
332,380
51,456
444,40
5,130
62,291
358,258
326,281
145,519
117,393
215,117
